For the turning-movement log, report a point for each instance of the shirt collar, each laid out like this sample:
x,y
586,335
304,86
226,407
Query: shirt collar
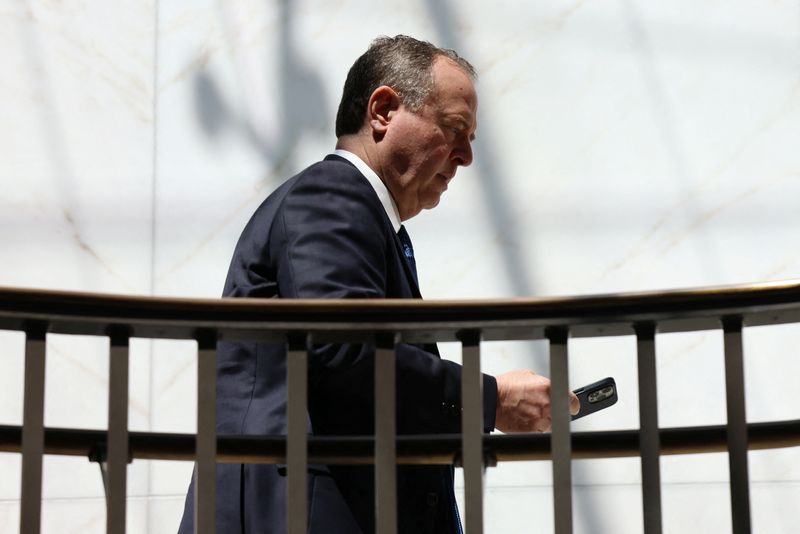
x,y
377,184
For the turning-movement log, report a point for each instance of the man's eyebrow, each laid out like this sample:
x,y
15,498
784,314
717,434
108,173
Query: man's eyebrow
x,y
463,124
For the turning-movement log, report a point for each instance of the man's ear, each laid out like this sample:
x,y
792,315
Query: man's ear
x,y
381,108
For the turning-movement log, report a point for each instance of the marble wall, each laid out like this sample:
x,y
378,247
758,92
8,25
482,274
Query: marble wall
x,y
622,146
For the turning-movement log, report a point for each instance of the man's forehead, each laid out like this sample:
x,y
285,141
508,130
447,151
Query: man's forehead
x,y
454,91
445,68
451,81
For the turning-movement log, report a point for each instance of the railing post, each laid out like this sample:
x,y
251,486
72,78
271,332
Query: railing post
x,y
205,488
472,431
385,434
297,434
649,440
33,429
117,431
737,424
560,441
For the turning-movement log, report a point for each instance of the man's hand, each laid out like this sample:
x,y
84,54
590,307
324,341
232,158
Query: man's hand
x,y
523,402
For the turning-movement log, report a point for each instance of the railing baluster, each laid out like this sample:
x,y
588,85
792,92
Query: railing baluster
x,y
33,430
205,488
297,434
737,424
472,431
385,436
560,443
117,433
649,440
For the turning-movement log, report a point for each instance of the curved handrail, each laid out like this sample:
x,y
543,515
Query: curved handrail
x,y
418,320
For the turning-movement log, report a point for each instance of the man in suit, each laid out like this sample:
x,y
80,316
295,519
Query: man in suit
x,y
405,124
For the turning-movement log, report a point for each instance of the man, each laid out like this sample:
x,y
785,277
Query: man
x,y
405,124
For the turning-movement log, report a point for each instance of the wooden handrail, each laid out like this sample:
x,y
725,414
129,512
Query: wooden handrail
x,y
417,320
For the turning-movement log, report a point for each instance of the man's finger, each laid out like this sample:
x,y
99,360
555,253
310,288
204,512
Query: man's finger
x,y
544,425
574,404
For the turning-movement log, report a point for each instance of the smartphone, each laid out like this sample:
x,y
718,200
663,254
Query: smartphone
x,y
596,396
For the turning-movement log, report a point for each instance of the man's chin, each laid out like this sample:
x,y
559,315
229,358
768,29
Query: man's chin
x,y
432,203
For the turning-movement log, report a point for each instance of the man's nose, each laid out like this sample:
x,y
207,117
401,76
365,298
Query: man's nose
x,y
463,153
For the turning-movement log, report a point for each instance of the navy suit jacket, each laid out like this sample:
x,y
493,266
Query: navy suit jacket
x,y
325,234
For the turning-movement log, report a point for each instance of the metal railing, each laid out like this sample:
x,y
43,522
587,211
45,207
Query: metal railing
x,y
386,323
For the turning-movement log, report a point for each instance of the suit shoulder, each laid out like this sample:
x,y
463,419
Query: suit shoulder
x,y
335,175
324,179
333,187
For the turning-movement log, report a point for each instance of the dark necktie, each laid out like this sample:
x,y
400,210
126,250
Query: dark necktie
x,y
408,251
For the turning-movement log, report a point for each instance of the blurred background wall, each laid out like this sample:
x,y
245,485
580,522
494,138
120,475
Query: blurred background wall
x,y
622,145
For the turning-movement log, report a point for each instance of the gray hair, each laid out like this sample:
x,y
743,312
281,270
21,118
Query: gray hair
x,y
403,63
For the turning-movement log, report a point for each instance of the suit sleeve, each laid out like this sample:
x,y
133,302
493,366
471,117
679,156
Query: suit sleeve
x,y
330,240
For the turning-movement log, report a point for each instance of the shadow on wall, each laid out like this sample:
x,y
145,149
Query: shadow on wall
x,y
301,106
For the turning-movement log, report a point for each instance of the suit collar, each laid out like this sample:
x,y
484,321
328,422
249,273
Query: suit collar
x,y
388,203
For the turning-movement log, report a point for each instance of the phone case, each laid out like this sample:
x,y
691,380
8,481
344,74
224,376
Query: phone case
x,y
596,396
